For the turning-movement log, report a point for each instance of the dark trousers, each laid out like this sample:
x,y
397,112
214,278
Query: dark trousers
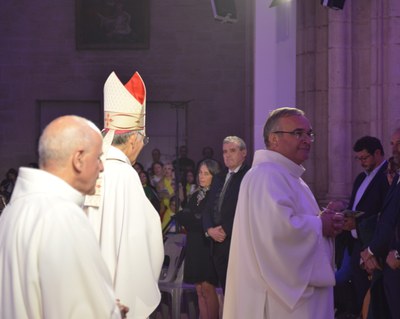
x,y
220,258
359,277
391,283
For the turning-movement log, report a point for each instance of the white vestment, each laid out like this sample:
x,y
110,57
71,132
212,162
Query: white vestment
x,y
280,264
50,262
129,232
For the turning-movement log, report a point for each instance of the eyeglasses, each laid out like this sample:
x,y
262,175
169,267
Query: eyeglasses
x,y
362,158
146,139
299,134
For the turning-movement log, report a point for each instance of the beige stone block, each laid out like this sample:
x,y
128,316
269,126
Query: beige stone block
x,y
392,28
391,8
309,72
321,14
301,34
361,68
321,74
361,10
361,34
339,68
300,73
392,94
321,38
392,65
321,107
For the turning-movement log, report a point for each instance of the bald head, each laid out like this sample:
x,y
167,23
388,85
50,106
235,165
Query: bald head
x,y
68,147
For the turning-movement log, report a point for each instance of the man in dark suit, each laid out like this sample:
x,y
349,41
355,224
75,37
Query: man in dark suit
x,y
381,253
220,213
369,191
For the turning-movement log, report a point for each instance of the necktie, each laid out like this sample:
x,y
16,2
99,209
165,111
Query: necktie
x,y
217,218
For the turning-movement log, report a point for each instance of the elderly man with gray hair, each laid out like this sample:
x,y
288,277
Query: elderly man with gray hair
x,y
218,220
127,226
50,262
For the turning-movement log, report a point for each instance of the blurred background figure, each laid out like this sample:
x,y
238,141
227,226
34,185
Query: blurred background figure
x,y
3,203
207,153
7,184
138,167
156,157
189,186
168,217
392,169
183,163
156,173
149,190
166,187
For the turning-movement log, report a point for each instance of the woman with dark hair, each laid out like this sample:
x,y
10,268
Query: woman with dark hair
x,y
199,268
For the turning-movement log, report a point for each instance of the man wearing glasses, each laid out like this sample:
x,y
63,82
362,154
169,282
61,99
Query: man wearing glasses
x,y
281,257
126,224
369,191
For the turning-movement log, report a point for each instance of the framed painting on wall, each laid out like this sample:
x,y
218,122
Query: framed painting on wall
x,y
112,24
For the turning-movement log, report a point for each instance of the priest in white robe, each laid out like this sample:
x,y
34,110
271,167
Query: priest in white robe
x,y
50,262
281,259
127,226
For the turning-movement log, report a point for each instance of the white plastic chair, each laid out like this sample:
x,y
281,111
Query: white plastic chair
x,y
171,278
174,254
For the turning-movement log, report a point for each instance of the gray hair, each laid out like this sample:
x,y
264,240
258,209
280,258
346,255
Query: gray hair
x,y
58,141
272,122
236,140
121,139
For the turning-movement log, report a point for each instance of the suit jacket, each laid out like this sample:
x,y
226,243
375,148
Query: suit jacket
x,y
384,234
228,206
370,202
395,245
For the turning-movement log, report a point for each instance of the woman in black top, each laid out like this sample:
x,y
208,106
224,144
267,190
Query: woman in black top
x,y
199,268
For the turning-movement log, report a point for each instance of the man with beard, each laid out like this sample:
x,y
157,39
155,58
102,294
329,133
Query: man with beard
x,y
369,191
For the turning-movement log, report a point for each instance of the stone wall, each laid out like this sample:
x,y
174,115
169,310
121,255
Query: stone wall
x,y
347,81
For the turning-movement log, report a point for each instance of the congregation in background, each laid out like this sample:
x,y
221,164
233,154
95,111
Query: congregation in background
x,y
255,235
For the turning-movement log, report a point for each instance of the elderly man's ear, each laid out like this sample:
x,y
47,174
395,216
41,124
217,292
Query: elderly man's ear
x,y
78,160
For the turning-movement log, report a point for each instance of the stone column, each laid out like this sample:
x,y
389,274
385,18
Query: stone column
x,y
339,103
